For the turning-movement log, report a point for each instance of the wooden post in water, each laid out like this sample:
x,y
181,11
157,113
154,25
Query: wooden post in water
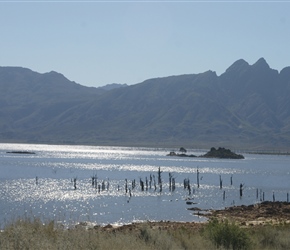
x,y
75,183
126,186
273,197
197,177
170,182
159,176
96,181
231,180
263,196
142,184
287,197
108,184
224,195
221,182
186,183
173,184
241,190
188,187
133,184
159,180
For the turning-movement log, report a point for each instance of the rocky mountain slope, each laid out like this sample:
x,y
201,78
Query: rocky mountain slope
x,y
248,106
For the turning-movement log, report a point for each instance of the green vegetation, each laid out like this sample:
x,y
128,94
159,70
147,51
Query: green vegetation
x,y
33,234
227,235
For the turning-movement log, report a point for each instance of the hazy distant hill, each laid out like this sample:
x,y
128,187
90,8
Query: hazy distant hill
x,y
30,101
247,106
113,86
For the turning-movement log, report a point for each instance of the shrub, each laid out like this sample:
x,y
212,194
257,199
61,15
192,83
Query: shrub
x,y
157,239
227,235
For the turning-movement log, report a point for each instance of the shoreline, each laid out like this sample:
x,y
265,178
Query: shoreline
x,y
222,232
260,214
267,212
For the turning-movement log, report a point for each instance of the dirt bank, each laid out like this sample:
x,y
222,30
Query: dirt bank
x,y
258,214
252,215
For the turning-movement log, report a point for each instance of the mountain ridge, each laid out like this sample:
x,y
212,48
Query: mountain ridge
x,y
245,107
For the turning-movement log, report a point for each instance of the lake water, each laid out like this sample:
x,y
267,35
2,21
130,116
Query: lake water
x,y
42,184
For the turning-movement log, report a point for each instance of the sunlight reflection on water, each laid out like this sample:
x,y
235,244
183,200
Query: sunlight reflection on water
x,y
42,184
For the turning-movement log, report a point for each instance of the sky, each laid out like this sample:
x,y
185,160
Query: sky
x,y
95,43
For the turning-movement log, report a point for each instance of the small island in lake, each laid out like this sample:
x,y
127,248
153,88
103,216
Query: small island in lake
x,y
182,154
221,153
172,153
20,152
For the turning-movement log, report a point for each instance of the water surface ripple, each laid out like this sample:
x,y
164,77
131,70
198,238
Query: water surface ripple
x,y
56,183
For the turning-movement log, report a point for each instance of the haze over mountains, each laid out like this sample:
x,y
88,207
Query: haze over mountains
x,y
248,106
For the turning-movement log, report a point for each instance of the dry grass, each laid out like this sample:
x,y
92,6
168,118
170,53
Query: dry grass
x,y
27,234
271,237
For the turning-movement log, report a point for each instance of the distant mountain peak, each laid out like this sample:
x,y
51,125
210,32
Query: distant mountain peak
x,y
238,65
261,63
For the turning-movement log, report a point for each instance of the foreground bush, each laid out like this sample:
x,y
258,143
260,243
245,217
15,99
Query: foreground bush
x,y
227,235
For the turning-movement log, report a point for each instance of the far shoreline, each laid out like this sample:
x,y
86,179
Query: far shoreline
x,y
165,146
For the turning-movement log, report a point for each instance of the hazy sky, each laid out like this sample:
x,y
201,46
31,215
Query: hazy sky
x,y
95,43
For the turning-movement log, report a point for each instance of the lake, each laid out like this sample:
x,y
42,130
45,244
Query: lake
x,y
71,184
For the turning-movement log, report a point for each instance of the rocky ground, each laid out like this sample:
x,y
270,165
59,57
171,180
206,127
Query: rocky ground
x,y
258,214
252,215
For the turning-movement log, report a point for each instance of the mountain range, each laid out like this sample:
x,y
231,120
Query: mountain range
x,y
246,107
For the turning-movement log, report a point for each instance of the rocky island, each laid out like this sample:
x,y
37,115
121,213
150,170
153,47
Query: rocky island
x,y
221,153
